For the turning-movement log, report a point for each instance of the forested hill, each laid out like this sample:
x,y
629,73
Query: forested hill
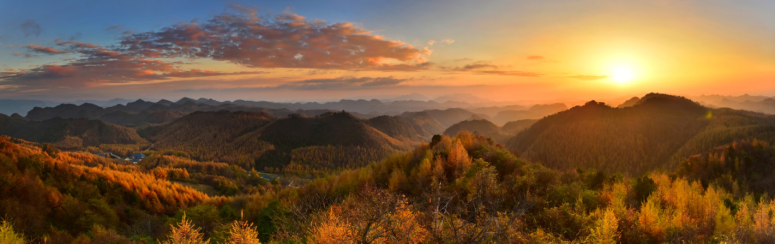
x,y
656,132
68,133
256,139
58,197
401,128
480,127
334,128
446,117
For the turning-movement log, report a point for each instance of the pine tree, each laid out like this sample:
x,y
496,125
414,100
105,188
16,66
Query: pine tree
x,y
8,236
186,233
243,232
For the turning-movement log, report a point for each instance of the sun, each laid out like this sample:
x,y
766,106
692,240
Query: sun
x,y
622,74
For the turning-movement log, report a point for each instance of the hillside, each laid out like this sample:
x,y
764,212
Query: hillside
x,y
63,195
630,102
212,136
338,128
534,112
69,133
446,117
514,127
654,133
399,127
256,139
478,127
424,123
742,166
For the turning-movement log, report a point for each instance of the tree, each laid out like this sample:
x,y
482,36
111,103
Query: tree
x,y
8,236
243,232
185,233
605,231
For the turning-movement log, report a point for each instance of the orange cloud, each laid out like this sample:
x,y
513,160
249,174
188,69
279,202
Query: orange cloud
x,y
588,77
476,66
288,40
510,73
492,69
44,50
535,57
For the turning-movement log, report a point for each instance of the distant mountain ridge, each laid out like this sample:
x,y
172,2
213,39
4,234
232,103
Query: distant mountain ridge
x,y
138,111
760,104
145,112
480,127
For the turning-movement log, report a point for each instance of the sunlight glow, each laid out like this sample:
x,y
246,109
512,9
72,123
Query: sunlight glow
x,y
622,74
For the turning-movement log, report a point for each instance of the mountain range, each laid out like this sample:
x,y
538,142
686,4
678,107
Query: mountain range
x,y
654,133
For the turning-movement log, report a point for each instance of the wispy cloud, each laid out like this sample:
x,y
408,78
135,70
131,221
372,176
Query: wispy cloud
x,y
476,66
487,68
588,77
343,83
511,73
31,28
535,57
44,50
339,83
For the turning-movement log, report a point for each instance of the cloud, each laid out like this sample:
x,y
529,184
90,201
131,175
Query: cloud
x,y
97,66
26,55
44,50
31,28
588,77
75,36
447,41
343,83
476,66
285,40
535,57
510,73
486,68
431,42
339,83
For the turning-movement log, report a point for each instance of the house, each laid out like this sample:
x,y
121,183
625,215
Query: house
x,y
136,157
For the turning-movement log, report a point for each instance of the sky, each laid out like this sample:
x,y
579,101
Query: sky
x,y
329,50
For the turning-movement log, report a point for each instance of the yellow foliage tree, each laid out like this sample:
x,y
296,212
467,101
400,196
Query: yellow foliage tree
x,y
331,229
405,226
605,230
186,233
8,236
243,232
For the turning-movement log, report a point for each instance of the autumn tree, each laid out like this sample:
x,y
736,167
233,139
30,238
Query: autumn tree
x,y
372,216
243,232
185,233
8,235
